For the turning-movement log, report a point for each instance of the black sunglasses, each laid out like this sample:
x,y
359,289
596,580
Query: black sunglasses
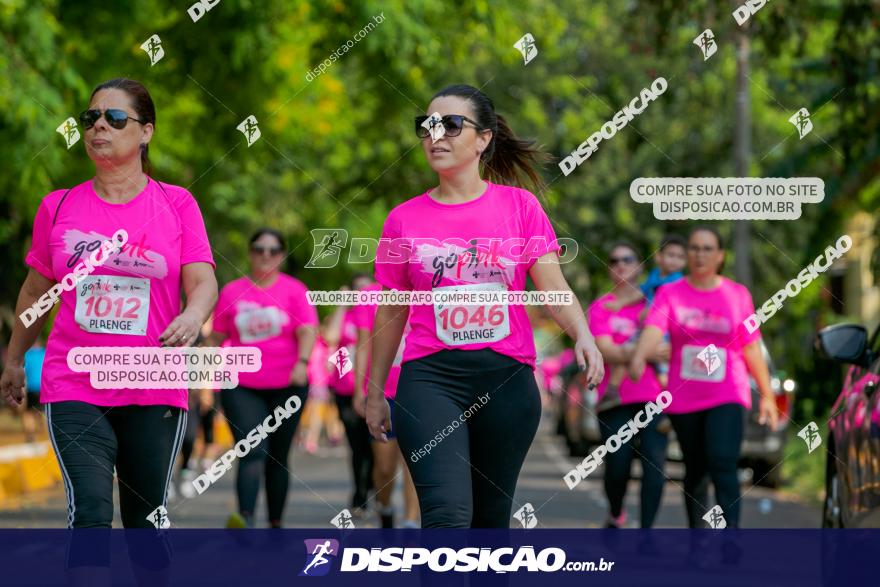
x,y
257,250
628,259
453,123
115,118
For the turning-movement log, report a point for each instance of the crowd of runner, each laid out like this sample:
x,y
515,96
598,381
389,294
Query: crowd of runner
x,y
384,379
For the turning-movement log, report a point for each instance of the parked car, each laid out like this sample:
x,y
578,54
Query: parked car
x,y
852,471
761,447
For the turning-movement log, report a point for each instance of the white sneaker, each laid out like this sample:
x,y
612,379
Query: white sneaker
x,y
187,489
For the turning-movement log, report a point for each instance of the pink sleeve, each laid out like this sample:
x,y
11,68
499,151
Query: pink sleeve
x,y
223,313
660,311
392,260
746,309
363,316
38,256
301,311
537,226
597,319
195,247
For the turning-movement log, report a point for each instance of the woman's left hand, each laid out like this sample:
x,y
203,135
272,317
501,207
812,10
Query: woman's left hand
x,y
182,331
378,416
768,414
588,357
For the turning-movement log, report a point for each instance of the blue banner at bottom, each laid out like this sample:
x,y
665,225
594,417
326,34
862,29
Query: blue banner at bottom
x,y
783,558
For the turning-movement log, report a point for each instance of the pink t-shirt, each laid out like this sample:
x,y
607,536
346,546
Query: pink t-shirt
x,y
364,316
132,297
621,326
698,377
347,340
267,319
490,242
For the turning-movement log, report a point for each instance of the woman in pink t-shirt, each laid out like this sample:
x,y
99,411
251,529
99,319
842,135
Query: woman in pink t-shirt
x,y
620,399
712,355
386,455
467,385
268,310
132,299
342,338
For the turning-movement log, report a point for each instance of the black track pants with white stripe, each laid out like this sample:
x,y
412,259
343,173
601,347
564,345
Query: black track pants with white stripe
x,y
141,442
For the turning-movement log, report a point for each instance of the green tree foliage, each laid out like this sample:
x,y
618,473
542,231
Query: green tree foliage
x,y
339,151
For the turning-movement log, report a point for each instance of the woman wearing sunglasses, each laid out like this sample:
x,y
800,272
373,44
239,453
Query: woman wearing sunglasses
x,y
712,355
131,300
620,399
467,404
269,310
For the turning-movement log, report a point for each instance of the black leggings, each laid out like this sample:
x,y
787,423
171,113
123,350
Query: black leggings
x,y
197,419
465,421
358,436
650,446
710,443
245,409
141,442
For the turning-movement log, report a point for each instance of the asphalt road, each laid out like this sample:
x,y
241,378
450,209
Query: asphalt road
x,y
320,488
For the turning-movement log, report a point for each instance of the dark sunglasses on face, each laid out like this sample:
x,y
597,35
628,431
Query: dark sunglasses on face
x,y
273,251
115,118
453,123
628,259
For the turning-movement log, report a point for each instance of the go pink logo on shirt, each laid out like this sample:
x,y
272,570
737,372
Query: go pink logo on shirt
x,y
469,265
104,248
702,320
133,257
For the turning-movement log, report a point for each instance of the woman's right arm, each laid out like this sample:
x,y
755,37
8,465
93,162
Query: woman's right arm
x,y
23,337
387,332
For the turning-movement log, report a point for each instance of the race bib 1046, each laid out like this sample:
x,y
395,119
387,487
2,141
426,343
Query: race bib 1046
x,y
109,304
461,324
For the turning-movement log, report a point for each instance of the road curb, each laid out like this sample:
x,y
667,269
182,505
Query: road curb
x,y
26,468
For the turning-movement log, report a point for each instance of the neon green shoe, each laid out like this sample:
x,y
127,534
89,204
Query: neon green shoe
x,y
236,520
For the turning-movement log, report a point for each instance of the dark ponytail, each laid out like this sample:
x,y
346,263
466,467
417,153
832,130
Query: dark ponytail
x,y
508,159
141,103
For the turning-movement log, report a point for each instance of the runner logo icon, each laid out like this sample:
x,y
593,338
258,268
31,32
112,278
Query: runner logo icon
x,y
328,245
706,42
343,520
526,516
715,518
318,553
801,121
709,357
68,130
153,48
810,434
526,45
342,361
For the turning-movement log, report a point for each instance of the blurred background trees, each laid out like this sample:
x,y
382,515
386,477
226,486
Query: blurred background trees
x,y
340,151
